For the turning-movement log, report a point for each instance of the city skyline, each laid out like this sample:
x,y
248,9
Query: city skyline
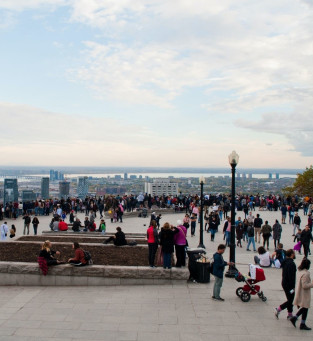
x,y
156,83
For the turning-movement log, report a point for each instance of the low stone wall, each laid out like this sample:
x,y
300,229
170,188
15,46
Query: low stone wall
x,y
28,274
81,238
102,254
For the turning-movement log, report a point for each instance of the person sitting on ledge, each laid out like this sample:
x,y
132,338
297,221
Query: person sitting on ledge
x,y
49,255
76,225
118,239
79,259
63,226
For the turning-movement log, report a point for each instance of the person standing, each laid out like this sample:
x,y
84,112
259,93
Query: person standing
x,y
288,283
153,241
257,228
166,237
218,271
193,222
250,234
27,221
266,233
296,223
35,223
4,229
303,294
180,242
277,229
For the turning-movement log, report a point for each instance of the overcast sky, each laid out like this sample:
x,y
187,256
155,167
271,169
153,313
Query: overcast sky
x,y
156,82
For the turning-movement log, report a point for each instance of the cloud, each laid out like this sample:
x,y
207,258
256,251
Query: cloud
x,y
21,5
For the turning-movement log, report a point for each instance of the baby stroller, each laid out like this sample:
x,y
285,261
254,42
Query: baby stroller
x,y
245,292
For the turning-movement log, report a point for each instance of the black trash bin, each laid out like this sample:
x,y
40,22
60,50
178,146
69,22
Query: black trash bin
x,y
199,272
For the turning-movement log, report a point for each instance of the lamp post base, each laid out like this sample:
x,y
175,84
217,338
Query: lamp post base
x,y
201,246
231,272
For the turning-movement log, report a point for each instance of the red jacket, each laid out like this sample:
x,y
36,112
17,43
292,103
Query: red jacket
x,y
80,256
63,226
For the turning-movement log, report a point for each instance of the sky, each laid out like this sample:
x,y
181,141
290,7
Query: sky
x,y
156,83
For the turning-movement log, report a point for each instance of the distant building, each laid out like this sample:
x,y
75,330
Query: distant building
x,y
10,191
238,175
133,177
161,186
270,176
28,195
118,177
52,175
45,188
64,189
277,176
82,186
56,175
125,176
250,175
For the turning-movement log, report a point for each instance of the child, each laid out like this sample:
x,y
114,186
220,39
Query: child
x,y
297,238
102,227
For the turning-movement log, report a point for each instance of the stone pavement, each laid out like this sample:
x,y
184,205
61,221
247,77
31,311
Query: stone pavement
x,y
166,312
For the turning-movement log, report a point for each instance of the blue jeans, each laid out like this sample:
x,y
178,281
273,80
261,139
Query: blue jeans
x,y
212,233
227,236
167,260
251,240
217,287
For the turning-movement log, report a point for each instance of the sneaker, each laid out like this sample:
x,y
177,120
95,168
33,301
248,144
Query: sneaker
x,y
293,320
248,250
276,313
303,326
214,298
289,317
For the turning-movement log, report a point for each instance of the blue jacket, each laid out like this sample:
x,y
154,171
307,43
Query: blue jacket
x,y
218,265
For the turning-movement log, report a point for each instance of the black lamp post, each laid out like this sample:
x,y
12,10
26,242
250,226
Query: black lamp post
x,y
201,213
233,161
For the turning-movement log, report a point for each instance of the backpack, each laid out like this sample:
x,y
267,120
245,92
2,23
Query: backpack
x,y
87,255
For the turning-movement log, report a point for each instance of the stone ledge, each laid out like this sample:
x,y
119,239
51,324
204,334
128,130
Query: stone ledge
x,y
18,273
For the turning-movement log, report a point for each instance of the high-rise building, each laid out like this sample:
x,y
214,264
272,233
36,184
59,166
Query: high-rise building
x,y
277,176
10,190
52,175
125,176
28,195
161,186
45,188
64,189
82,186
270,176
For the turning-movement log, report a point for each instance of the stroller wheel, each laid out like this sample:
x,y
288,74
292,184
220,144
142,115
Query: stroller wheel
x,y
264,299
245,296
239,291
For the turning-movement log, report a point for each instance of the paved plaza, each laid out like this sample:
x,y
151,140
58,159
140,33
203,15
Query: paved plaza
x,y
165,312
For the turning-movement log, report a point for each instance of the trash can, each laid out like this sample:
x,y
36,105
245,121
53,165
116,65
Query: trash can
x,y
203,270
197,270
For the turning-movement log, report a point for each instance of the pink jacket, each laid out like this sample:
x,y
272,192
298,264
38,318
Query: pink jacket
x,y
180,237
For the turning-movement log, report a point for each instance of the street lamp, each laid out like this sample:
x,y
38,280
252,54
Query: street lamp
x,y
202,181
233,161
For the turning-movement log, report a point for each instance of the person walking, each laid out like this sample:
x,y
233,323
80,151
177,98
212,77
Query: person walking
x,y
303,294
27,221
4,231
288,283
305,238
296,223
218,271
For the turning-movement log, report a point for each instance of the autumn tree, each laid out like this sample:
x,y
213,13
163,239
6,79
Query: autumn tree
x,y
303,185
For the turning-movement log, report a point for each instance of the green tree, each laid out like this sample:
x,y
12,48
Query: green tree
x,y
303,184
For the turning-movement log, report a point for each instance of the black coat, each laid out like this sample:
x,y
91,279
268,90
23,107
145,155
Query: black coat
x,y
166,237
288,274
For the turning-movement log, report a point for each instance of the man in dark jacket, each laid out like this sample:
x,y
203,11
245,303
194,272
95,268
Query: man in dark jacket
x,y
288,283
305,238
118,239
218,271
257,228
